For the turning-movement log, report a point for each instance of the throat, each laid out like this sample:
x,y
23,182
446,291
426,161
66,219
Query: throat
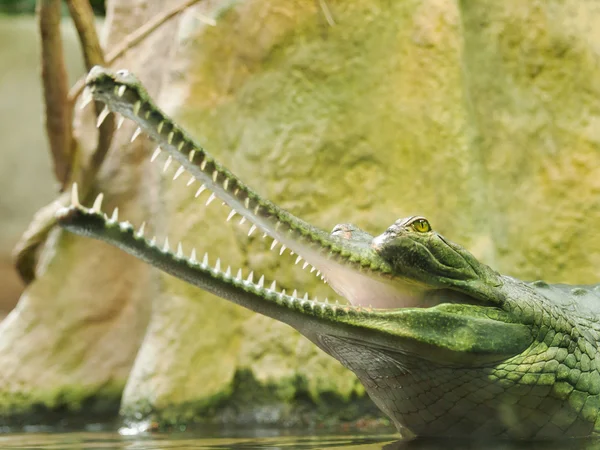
x,y
362,289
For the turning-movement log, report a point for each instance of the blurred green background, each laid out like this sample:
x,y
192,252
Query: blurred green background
x,y
28,6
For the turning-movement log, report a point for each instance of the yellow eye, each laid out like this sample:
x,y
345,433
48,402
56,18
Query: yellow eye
x,y
421,225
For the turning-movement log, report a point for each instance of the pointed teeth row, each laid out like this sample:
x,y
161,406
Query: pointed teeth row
x,y
181,170
260,284
114,218
120,91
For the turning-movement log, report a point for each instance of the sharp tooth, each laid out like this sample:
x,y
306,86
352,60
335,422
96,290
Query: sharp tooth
x,y
155,154
74,195
140,232
199,191
264,235
246,202
312,269
193,255
136,133
228,271
298,259
86,97
306,296
283,247
231,214
256,208
326,300
274,243
97,206
191,155
218,265
277,225
170,137
203,165
239,274
273,286
242,220
167,163
252,228
250,277
226,183
215,174
153,241
166,246
190,181
205,259
318,273
261,282
115,215
179,251
120,121
136,107
105,112
178,173
160,126
304,265
210,199
295,293
121,90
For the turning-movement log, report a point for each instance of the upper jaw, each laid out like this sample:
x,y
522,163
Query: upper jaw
x,y
330,255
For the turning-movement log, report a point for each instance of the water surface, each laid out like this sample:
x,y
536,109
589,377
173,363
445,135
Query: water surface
x,y
265,440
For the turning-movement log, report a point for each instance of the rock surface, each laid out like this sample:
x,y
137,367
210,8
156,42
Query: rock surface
x,y
481,116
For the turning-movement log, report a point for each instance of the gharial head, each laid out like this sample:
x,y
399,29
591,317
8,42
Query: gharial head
x,y
420,256
424,268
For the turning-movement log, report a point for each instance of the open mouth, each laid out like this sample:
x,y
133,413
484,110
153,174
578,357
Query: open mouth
x,y
354,270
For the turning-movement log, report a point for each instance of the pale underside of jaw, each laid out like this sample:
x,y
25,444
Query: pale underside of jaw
x,y
360,287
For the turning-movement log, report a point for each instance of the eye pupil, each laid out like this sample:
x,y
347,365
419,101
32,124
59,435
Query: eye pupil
x,y
421,225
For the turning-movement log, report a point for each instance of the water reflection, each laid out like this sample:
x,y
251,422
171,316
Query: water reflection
x,y
94,441
450,444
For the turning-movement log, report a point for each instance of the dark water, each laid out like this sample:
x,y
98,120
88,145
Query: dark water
x,y
114,440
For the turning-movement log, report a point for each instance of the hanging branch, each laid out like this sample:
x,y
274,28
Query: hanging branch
x,y
54,80
83,16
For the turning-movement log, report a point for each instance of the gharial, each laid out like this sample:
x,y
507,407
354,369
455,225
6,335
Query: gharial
x,y
448,347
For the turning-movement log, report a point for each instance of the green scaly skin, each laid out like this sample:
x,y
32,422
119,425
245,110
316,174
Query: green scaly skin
x,y
451,348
